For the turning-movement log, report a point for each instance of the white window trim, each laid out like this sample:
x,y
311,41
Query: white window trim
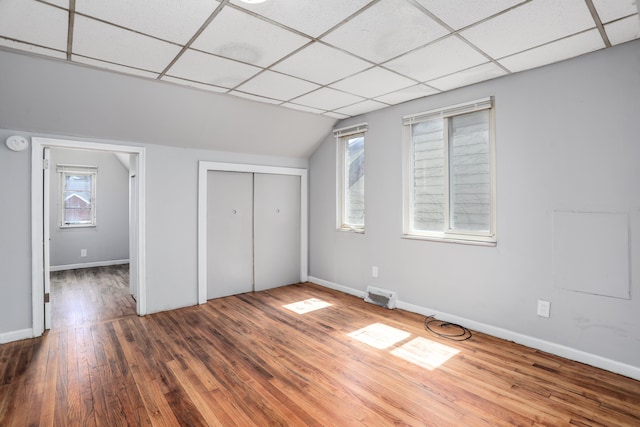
x,y
340,134
452,236
64,170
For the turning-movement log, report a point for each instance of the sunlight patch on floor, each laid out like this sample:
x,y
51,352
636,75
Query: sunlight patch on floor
x,y
379,335
424,352
306,306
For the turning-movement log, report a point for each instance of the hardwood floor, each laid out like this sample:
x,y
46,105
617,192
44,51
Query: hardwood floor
x,y
248,360
90,295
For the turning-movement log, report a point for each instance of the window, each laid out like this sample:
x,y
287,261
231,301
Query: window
x,y
449,188
351,177
78,195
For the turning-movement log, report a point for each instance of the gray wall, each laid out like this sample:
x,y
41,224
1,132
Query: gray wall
x,y
109,239
568,138
53,99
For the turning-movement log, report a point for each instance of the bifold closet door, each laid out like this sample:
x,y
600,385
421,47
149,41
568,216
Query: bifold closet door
x,y
276,240
229,233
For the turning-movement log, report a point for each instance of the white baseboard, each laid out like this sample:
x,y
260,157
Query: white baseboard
x,y
532,342
88,265
22,334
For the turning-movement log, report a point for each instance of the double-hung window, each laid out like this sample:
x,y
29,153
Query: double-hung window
x,y
77,195
351,176
449,168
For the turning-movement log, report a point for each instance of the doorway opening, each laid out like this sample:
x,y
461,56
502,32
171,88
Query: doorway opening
x,y
42,169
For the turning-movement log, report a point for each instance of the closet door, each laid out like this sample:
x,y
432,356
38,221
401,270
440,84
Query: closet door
x,y
229,233
276,230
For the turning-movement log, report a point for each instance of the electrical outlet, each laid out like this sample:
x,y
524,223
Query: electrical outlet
x,y
374,271
83,252
544,308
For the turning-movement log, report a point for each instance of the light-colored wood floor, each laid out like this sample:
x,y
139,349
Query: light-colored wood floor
x,y
248,360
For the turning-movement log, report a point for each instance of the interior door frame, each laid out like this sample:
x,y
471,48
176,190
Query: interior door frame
x,y
203,168
136,237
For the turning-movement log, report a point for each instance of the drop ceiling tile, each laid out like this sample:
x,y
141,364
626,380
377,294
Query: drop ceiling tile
x,y
406,94
327,99
437,59
171,20
385,30
33,49
255,97
196,85
361,108
35,23
461,13
227,36
373,82
336,115
556,51
212,70
321,64
609,10
623,30
61,3
277,86
105,42
302,108
310,17
477,74
113,67
530,25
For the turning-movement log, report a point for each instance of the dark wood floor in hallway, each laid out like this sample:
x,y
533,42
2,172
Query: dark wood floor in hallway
x,y
329,359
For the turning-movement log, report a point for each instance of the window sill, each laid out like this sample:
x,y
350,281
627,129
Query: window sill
x,y
351,230
65,227
450,240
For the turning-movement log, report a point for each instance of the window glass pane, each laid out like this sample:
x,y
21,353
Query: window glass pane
x,y
469,172
354,181
428,175
77,199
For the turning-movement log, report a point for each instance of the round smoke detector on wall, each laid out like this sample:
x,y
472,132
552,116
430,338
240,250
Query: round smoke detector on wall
x,y
17,143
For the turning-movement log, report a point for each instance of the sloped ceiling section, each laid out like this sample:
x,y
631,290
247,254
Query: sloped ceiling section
x,y
336,58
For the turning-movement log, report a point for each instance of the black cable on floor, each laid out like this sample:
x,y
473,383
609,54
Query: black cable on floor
x,y
458,333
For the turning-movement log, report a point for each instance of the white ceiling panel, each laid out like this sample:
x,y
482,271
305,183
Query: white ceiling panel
x,y
310,17
33,22
327,99
255,97
461,13
406,94
556,51
210,69
623,30
108,43
437,59
266,43
336,115
608,10
302,108
277,86
361,107
113,67
33,49
60,3
477,74
171,20
194,84
321,64
530,25
374,82
386,30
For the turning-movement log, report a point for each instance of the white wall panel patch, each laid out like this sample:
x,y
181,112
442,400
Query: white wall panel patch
x,y
591,253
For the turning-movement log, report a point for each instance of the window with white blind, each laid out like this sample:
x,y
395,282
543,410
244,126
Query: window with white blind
x,y
449,184
351,176
77,195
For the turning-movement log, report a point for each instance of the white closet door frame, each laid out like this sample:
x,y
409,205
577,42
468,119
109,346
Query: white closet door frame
x,y
203,168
